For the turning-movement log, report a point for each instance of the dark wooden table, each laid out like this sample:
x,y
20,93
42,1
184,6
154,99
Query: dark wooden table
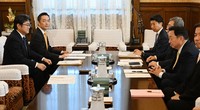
x,y
76,96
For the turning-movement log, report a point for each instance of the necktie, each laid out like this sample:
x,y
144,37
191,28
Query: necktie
x,y
24,41
177,56
156,38
198,58
45,39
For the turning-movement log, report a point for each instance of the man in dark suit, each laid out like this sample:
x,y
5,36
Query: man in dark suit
x,y
161,44
166,58
17,51
40,44
183,63
184,97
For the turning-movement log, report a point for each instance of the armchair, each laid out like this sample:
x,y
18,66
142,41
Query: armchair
x,y
149,39
112,38
27,82
61,37
11,92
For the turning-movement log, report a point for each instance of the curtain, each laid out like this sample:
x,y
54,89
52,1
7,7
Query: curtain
x,y
86,15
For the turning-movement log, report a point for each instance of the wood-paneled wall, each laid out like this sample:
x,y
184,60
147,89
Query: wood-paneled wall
x,y
190,12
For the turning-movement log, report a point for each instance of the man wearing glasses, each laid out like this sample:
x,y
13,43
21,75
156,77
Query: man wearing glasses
x,y
17,51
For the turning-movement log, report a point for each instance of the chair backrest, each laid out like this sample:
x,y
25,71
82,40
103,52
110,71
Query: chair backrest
x,y
112,37
60,37
81,34
2,42
149,37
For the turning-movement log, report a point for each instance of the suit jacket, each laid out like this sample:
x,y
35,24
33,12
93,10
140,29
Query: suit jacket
x,y
185,64
38,45
166,59
191,88
160,45
16,53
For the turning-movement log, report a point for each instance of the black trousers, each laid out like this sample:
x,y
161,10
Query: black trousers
x,y
180,105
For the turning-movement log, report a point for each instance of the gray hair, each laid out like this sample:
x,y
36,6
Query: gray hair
x,y
178,21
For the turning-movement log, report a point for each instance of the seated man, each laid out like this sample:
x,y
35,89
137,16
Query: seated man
x,y
166,58
17,51
161,44
184,97
183,63
40,44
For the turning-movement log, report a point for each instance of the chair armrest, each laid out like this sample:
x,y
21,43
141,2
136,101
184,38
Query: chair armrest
x,y
3,88
23,68
10,74
69,46
122,46
93,46
197,102
145,46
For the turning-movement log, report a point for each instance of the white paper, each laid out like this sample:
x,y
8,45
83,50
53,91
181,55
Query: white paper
x,y
76,58
133,71
79,55
108,68
130,60
123,63
127,54
136,73
61,79
70,62
77,52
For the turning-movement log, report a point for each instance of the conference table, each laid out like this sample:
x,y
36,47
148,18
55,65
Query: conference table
x,y
76,96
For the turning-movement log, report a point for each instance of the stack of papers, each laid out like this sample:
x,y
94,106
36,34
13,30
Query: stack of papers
x,y
61,79
127,55
123,63
70,63
106,99
136,73
76,52
144,93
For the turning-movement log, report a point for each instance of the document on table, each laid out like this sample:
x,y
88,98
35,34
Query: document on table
x,y
130,60
124,63
61,79
128,55
79,55
136,73
74,58
70,63
138,93
76,52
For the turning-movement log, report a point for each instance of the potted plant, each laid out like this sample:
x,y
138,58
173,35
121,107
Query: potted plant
x,y
11,17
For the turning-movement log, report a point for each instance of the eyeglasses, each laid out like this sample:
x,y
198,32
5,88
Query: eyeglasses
x,y
28,24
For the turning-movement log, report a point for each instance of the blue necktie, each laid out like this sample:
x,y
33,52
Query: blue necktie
x,y
24,41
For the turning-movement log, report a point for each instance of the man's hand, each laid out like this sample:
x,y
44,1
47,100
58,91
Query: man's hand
x,y
150,58
48,61
153,64
155,70
65,52
175,97
137,52
63,56
41,66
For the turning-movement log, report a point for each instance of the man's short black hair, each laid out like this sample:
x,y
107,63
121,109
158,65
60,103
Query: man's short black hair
x,y
42,14
196,25
157,18
20,19
179,31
